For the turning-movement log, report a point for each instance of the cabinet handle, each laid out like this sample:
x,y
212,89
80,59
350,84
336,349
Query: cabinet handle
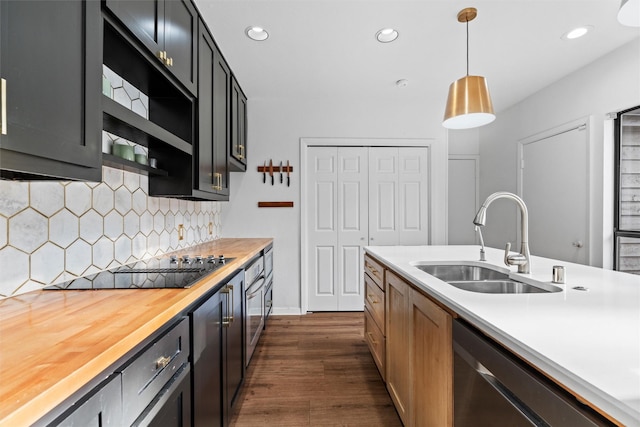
x,y
374,342
230,303
227,320
241,152
218,179
373,270
372,301
162,362
163,57
3,107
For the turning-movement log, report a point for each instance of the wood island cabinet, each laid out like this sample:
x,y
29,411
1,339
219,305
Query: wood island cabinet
x,y
418,363
431,363
398,295
374,318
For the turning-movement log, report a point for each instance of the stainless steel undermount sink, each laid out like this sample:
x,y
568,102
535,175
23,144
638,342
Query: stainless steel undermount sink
x,y
484,280
462,273
499,287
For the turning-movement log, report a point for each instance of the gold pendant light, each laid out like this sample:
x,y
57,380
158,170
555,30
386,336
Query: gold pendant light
x,y
469,103
629,13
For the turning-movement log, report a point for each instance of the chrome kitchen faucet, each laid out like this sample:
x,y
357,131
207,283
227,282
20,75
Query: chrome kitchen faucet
x,y
523,259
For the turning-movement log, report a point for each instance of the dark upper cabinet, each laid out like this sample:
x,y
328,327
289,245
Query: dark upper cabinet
x,y
168,29
50,65
238,149
214,88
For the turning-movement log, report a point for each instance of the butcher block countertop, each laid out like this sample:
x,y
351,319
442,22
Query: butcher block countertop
x,y
52,343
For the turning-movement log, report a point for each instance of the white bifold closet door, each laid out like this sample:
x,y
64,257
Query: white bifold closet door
x,y
398,196
337,194
341,210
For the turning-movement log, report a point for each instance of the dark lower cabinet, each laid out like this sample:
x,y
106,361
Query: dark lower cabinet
x,y
152,388
206,326
173,408
188,374
100,408
218,363
51,113
233,338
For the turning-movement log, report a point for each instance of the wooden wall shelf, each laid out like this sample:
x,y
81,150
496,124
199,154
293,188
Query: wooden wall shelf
x,y
276,169
124,164
275,204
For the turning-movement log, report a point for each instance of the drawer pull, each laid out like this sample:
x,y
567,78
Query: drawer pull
x,y
162,362
373,270
374,342
372,301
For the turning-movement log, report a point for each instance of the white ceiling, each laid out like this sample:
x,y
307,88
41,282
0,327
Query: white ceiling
x,y
327,48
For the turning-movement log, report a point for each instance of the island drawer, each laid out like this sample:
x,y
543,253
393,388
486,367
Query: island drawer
x,y
375,340
148,372
374,301
375,270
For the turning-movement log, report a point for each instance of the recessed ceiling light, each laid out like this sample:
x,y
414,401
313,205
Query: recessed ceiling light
x,y
577,32
257,33
386,35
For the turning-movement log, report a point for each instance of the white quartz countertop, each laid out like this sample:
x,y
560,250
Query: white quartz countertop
x,y
587,341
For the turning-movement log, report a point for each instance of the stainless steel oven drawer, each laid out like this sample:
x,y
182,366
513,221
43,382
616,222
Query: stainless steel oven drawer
x,y
268,262
148,372
254,271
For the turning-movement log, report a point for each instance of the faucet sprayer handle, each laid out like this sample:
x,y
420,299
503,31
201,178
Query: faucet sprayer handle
x,y
516,259
507,248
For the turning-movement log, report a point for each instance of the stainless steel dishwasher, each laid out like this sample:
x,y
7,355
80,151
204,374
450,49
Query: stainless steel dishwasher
x,y
493,388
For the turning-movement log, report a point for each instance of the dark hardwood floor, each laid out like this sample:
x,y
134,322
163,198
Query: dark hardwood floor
x,y
314,370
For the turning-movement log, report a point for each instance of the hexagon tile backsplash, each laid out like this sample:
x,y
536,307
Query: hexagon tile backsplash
x,y
54,231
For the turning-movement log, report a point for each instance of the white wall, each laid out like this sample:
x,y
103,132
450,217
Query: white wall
x,y
275,129
462,197
609,84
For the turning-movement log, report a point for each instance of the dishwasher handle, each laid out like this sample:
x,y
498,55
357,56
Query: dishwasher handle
x,y
527,412
526,390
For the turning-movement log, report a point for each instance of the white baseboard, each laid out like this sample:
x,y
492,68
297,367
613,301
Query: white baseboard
x,y
286,311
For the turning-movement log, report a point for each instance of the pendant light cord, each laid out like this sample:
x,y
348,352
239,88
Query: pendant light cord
x,y
467,47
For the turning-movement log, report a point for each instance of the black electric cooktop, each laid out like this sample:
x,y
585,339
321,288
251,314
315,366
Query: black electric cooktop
x,y
165,272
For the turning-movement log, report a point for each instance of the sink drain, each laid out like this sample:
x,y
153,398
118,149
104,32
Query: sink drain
x,y
580,288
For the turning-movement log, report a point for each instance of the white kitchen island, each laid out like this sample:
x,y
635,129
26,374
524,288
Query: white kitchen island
x,y
586,341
